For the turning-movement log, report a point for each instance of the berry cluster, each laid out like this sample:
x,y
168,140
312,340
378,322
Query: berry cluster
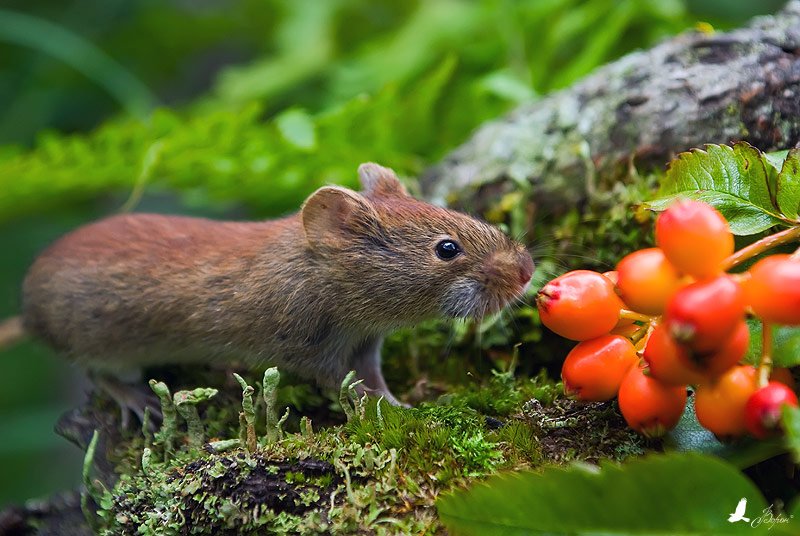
x,y
671,316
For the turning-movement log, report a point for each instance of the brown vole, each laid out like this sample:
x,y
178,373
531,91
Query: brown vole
x,y
313,293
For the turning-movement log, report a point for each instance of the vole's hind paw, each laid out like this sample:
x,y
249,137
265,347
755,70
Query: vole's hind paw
x,y
387,395
131,399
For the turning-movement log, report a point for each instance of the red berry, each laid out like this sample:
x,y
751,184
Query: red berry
x,y
773,289
594,369
720,404
762,414
695,238
702,316
579,305
665,362
715,363
649,406
646,280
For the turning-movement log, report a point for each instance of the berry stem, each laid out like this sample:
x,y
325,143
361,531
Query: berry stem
x,y
768,242
633,315
641,337
765,366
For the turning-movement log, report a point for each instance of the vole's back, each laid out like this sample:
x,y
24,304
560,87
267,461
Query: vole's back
x,y
141,286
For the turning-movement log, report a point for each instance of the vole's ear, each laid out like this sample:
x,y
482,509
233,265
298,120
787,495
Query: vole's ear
x,y
332,215
378,181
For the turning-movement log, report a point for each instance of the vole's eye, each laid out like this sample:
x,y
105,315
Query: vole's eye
x,y
447,250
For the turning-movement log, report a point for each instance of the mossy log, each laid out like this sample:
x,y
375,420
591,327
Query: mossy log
x,y
696,88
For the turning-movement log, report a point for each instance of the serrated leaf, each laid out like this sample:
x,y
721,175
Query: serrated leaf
x,y
743,218
738,171
788,196
676,494
732,179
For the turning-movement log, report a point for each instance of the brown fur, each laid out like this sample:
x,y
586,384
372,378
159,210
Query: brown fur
x,y
314,292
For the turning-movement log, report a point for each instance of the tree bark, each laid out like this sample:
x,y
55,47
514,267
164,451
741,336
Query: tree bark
x,y
690,90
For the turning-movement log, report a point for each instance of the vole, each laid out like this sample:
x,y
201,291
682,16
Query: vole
x,y
313,293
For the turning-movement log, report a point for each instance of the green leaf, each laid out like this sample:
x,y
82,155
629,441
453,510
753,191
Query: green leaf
x,y
743,218
732,179
507,85
788,195
676,494
791,426
690,436
297,127
786,346
776,159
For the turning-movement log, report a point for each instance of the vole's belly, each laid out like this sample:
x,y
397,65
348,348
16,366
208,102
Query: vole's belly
x,y
117,341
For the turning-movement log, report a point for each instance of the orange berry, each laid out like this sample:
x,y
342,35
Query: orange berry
x,y
715,363
665,362
579,305
720,404
694,237
594,369
773,289
649,406
646,280
703,315
612,276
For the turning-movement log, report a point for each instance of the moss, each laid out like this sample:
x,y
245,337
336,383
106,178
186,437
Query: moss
x,y
378,473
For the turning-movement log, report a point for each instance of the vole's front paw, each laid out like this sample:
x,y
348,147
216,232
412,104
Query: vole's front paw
x,y
130,399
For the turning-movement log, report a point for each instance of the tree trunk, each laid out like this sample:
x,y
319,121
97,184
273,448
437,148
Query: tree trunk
x,y
693,89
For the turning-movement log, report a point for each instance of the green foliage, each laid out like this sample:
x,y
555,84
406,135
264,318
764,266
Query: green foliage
x,y
80,54
690,436
791,425
642,496
785,344
739,182
788,185
335,86
503,393
456,434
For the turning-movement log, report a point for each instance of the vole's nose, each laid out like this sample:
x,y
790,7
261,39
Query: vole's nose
x,y
526,268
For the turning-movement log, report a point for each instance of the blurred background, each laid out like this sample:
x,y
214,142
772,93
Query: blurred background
x,y
240,108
